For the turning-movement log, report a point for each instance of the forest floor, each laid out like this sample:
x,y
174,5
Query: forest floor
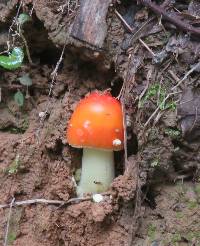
x,y
153,68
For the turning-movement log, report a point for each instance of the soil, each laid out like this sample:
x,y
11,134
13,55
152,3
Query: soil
x,y
155,197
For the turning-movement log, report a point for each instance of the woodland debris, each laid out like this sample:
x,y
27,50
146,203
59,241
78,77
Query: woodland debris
x,y
171,17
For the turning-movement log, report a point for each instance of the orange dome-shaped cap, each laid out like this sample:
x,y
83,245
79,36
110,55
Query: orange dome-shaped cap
x,y
97,122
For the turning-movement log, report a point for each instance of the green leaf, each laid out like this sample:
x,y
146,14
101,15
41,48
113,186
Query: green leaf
x,y
25,80
19,98
23,18
14,60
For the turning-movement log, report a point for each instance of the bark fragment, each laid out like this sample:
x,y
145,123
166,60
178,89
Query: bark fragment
x,y
90,23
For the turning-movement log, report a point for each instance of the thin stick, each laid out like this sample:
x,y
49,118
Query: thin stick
x,y
186,75
124,22
52,84
26,46
54,76
8,222
33,5
147,47
45,201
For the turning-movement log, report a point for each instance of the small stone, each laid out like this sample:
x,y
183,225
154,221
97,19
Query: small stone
x,y
97,198
42,114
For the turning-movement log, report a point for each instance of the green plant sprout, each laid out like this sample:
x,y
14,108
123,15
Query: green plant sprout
x,y
14,166
11,237
151,231
14,60
26,81
19,96
158,93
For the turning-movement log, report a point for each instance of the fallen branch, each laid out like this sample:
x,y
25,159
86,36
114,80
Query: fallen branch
x,y
50,202
174,19
45,201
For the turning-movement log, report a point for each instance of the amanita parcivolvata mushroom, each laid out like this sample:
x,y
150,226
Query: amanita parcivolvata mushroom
x,y
96,125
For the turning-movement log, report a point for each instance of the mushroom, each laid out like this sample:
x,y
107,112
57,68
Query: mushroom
x,y
96,125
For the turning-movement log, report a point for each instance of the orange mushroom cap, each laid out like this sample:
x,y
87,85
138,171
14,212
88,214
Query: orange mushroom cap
x,y
97,122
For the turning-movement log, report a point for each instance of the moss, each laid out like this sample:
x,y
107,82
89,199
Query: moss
x,y
192,204
176,237
151,231
191,236
197,189
179,215
11,237
158,94
173,133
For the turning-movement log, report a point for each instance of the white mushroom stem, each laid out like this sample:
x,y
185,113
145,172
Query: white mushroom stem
x,y
97,171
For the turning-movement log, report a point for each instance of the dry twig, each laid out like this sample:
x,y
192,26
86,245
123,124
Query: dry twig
x,y
173,18
45,201
197,66
50,202
147,47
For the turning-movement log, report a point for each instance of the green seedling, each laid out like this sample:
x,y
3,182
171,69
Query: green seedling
x,y
19,98
14,166
26,81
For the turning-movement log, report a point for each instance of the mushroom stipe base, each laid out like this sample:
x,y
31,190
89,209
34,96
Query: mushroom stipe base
x,y
97,171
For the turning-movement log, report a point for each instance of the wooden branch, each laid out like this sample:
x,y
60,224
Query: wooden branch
x,y
44,201
90,24
52,202
173,18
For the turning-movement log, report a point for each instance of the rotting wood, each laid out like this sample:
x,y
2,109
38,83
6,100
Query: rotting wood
x,y
90,24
